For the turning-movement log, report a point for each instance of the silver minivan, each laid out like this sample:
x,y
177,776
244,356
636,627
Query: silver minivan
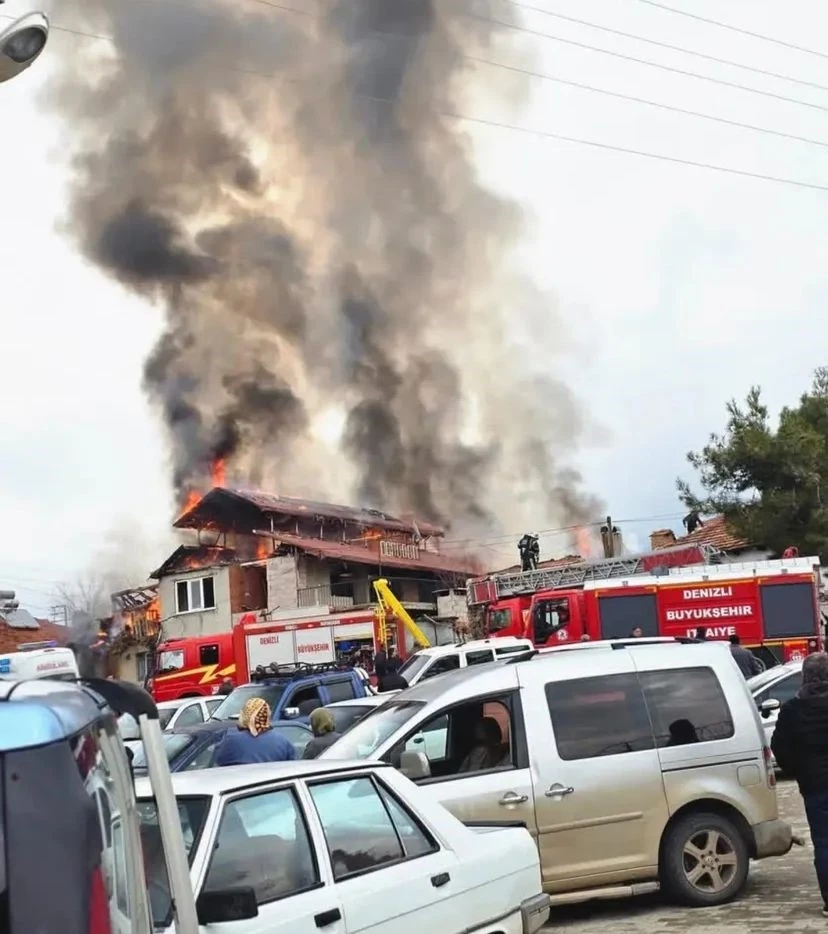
x,y
634,764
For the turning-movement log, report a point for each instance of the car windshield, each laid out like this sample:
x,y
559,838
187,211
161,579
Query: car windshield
x,y
192,813
174,745
231,706
345,717
413,667
757,682
165,714
368,734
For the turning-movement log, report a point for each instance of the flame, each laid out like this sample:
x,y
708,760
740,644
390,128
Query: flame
x,y
218,473
193,499
262,549
583,540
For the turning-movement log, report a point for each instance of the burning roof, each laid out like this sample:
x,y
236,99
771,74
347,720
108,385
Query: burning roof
x,y
224,508
194,558
136,598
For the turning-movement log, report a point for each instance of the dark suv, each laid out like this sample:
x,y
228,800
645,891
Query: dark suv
x,y
293,691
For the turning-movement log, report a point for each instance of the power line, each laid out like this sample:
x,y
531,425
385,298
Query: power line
x,y
669,46
648,62
560,137
651,103
744,32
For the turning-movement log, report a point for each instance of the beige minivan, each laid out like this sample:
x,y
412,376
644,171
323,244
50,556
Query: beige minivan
x,y
635,764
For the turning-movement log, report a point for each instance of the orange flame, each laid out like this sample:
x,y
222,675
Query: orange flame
x,y
193,499
583,540
217,472
262,549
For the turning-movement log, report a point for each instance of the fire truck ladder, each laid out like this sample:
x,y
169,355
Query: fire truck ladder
x,y
576,575
389,605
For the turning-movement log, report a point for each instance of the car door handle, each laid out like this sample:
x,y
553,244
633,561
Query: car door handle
x,y
558,791
511,798
441,879
323,919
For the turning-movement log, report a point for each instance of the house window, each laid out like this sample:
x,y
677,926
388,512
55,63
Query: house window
x,y
197,594
141,667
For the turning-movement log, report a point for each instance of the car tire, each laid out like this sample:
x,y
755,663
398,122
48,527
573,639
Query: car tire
x,y
704,860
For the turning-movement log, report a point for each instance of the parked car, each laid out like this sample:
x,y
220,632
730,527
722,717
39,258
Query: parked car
x,y
193,747
635,763
770,689
189,711
294,691
348,712
354,846
426,663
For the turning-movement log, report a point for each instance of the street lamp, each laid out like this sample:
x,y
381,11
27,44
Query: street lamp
x,y
21,42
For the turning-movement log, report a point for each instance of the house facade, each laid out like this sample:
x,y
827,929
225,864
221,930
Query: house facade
x,y
253,553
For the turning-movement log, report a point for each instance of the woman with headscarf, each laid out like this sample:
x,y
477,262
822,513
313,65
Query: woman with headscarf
x,y
324,733
800,745
253,740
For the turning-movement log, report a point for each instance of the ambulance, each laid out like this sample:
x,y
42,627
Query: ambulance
x,y
39,660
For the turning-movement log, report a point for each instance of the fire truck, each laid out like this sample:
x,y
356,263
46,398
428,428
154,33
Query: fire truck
x,y
773,606
197,665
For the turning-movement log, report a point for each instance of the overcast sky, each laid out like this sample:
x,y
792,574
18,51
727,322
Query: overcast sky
x,y
680,287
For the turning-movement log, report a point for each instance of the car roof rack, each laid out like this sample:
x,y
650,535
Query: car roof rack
x,y
614,644
294,671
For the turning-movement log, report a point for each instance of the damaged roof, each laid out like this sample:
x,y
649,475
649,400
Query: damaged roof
x,y
550,563
427,560
714,532
220,504
136,598
194,558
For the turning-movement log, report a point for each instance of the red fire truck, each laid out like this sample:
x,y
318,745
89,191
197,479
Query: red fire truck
x,y
773,606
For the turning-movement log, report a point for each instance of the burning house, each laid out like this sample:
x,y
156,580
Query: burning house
x,y
252,554
134,631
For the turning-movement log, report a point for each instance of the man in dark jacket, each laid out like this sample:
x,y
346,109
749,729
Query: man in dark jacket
x,y
748,663
800,744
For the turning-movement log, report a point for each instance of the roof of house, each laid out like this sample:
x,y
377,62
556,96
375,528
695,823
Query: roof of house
x,y
136,598
194,558
550,563
714,532
360,554
11,638
225,501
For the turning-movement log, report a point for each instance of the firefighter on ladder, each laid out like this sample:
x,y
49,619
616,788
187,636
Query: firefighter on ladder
x,y
529,549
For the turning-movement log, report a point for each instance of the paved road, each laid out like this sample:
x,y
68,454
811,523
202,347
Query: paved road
x,y
781,897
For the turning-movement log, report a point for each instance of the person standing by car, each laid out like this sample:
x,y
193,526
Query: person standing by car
x,y
748,663
254,740
800,745
225,688
324,733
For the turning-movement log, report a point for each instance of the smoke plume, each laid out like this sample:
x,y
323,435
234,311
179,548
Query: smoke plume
x,y
341,317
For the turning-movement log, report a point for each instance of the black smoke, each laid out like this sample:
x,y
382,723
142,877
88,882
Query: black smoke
x,y
288,188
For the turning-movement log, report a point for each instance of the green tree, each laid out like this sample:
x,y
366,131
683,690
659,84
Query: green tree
x,y
771,485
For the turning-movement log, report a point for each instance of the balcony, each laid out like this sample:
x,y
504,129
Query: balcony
x,y
322,596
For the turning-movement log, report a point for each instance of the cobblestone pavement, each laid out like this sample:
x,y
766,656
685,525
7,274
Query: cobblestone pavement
x,y
781,895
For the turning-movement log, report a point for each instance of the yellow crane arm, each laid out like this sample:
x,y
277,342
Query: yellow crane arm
x,y
389,605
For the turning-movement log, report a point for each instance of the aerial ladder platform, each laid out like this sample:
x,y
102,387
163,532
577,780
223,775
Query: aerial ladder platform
x,y
515,583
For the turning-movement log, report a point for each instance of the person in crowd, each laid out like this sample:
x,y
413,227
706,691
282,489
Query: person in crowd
x,y
254,739
393,681
381,662
701,634
324,733
748,663
226,687
394,661
637,633
585,638
800,745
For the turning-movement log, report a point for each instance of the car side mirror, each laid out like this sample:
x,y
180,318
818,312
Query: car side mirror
x,y
238,904
767,707
290,713
414,765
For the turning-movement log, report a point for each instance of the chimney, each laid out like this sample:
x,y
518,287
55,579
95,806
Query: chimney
x,y
663,538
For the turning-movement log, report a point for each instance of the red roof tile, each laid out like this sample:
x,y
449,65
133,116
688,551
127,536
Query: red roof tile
x,y
11,638
714,532
550,563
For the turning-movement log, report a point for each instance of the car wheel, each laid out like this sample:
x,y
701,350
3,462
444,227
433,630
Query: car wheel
x,y
704,860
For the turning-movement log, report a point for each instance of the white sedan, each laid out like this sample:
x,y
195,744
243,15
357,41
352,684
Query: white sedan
x,y
187,711
355,846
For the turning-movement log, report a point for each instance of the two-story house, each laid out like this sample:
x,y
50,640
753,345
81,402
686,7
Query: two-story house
x,y
263,554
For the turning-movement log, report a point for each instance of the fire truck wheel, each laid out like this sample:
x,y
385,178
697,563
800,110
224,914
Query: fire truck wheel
x,y
704,860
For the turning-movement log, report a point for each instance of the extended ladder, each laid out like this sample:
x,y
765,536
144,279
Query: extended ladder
x,y
496,586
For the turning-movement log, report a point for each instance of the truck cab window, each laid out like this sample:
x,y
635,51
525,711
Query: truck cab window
x,y
208,654
549,616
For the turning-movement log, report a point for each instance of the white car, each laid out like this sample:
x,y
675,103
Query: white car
x,y
426,663
188,711
354,846
771,688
